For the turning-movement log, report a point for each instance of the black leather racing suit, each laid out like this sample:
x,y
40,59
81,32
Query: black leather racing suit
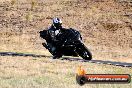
x,y
54,38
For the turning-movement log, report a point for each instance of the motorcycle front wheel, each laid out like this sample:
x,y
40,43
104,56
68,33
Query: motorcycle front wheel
x,y
83,51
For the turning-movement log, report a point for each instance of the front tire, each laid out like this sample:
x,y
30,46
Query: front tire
x,y
83,51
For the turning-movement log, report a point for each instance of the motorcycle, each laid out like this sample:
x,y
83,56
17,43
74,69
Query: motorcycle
x,y
69,44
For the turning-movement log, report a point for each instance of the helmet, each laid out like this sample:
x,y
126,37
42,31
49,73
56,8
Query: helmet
x,y
57,22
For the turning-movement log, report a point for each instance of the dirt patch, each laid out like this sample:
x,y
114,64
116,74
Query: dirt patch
x,y
104,24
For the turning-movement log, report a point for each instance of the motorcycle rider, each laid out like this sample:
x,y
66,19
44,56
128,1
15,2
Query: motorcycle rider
x,y
58,40
54,32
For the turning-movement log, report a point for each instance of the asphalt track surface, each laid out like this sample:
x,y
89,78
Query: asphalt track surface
x,y
69,58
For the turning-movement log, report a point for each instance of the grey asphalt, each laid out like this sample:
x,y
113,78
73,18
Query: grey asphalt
x,y
122,64
68,58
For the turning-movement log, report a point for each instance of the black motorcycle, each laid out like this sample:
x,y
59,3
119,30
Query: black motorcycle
x,y
69,44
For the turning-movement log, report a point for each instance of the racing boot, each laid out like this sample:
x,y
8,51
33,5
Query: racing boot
x,y
45,45
57,55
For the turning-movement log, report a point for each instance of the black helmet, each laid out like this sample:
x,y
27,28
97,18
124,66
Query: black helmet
x,y
57,22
